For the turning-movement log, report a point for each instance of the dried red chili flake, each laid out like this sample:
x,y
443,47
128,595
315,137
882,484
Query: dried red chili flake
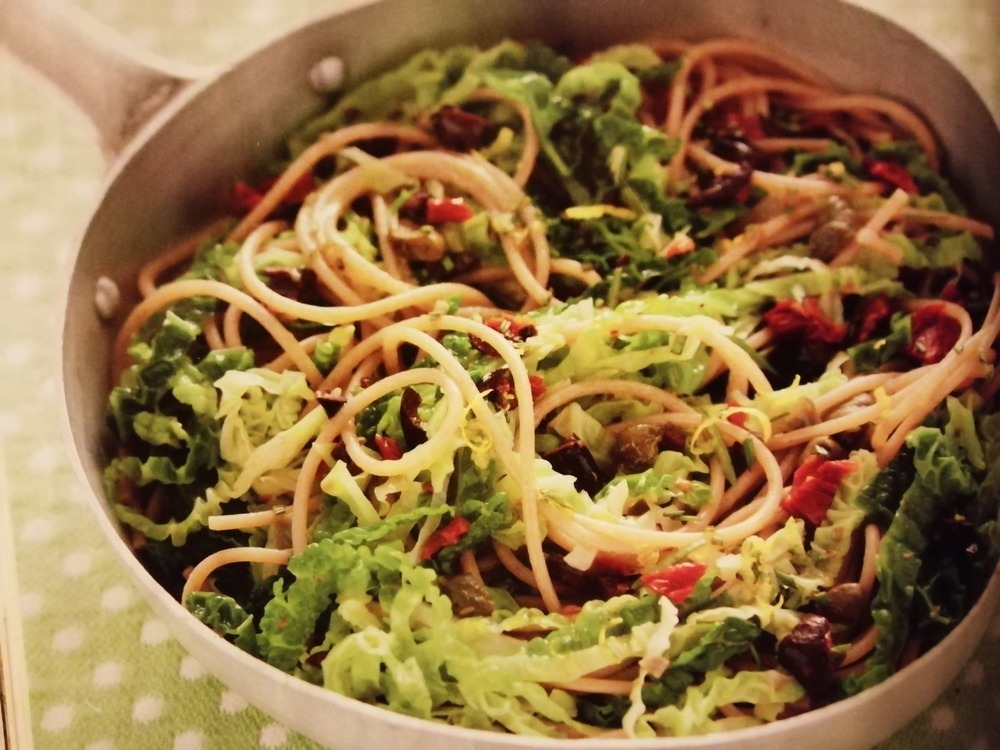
x,y
892,174
512,328
875,310
813,486
803,320
933,333
388,447
500,384
676,582
447,536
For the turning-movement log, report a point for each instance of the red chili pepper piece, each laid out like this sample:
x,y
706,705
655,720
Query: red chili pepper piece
x,y
813,487
894,174
246,197
537,386
388,447
933,333
300,190
444,210
446,536
738,418
804,320
676,582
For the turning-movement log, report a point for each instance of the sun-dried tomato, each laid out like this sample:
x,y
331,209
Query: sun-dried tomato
x,y
875,310
573,458
676,582
813,486
933,333
460,130
804,321
409,419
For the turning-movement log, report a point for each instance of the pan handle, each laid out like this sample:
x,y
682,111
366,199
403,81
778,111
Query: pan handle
x,y
118,86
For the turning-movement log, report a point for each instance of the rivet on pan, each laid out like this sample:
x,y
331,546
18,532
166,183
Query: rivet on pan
x,y
327,75
106,298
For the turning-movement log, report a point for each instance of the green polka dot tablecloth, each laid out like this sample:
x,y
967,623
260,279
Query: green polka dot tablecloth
x,y
93,668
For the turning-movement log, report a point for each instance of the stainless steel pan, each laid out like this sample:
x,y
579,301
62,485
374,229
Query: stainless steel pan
x,y
179,138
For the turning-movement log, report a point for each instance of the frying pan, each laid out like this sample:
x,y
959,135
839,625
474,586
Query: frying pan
x,y
177,139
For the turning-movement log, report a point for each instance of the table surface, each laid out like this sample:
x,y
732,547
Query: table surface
x,y
97,669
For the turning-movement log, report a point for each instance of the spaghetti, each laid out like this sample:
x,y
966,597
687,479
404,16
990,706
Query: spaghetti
x,y
537,395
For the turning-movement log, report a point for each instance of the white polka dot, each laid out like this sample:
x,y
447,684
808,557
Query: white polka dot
x,y
975,672
11,126
218,40
45,158
11,424
273,736
82,188
48,388
31,604
115,599
232,703
46,458
17,353
147,708
190,740
184,11
101,745
26,286
8,188
68,639
154,632
942,718
145,36
76,564
259,13
191,668
107,9
57,718
108,674
34,223
37,530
